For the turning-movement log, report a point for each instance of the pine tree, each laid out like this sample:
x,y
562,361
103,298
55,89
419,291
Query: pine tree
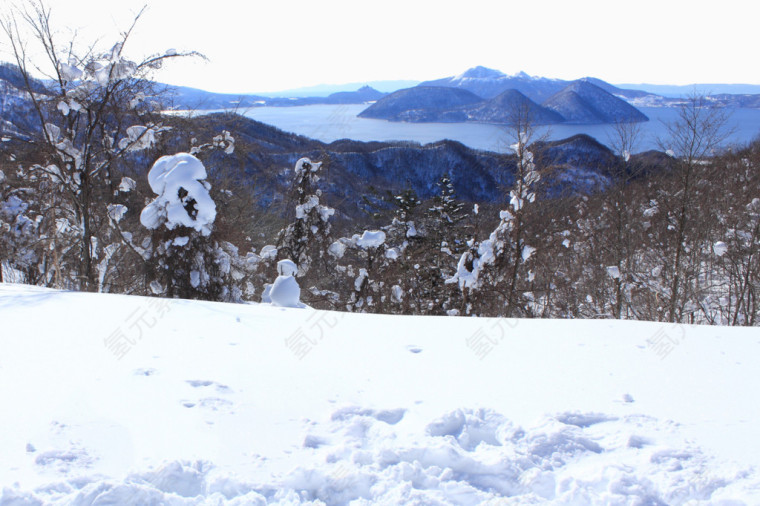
x,y
307,237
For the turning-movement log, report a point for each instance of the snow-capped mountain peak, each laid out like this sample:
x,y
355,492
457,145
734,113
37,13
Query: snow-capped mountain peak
x,y
480,72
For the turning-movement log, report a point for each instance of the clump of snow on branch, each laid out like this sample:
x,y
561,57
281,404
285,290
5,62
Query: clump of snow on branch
x,y
523,193
183,197
138,137
127,184
225,141
116,212
371,239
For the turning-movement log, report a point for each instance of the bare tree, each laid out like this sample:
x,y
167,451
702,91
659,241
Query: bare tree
x,y
693,139
621,246
100,107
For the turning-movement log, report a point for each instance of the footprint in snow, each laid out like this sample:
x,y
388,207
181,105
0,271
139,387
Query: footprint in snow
x,y
389,416
584,420
413,349
208,383
215,404
200,383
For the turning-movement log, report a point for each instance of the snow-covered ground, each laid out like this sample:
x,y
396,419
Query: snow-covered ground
x,y
108,399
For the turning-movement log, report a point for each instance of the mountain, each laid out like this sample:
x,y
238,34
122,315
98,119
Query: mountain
x,y
732,100
575,162
503,107
184,98
12,75
614,90
422,104
579,103
479,176
18,117
324,90
489,83
584,103
682,91
363,94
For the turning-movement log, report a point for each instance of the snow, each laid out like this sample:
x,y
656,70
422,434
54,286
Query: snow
x,y
287,268
268,252
613,271
371,239
183,199
285,291
139,137
64,108
255,404
302,210
720,248
116,212
127,184
337,249
225,141
70,73
306,165
53,131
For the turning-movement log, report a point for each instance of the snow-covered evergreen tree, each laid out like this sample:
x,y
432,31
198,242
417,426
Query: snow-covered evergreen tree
x,y
187,260
305,239
498,268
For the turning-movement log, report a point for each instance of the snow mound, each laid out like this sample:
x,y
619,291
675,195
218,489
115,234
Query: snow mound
x,y
285,291
272,406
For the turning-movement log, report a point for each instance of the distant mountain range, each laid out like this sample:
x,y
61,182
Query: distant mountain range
x,y
324,90
489,96
479,94
483,82
262,151
183,98
681,91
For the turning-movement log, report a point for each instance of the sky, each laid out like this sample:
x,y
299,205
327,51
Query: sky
x,y
270,45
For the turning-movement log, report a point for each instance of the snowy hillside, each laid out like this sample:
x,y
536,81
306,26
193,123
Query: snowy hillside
x,y
109,399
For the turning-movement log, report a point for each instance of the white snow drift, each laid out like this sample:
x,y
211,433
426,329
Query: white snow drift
x,y
255,404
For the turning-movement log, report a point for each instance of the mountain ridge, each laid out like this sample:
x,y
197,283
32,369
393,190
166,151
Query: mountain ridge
x,y
580,102
585,103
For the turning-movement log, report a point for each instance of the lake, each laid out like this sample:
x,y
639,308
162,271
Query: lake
x,y
328,123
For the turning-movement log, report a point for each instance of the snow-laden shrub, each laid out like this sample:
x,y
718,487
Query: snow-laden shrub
x,y
183,195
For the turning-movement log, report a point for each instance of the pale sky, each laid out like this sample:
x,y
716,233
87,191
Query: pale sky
x,y
265,45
